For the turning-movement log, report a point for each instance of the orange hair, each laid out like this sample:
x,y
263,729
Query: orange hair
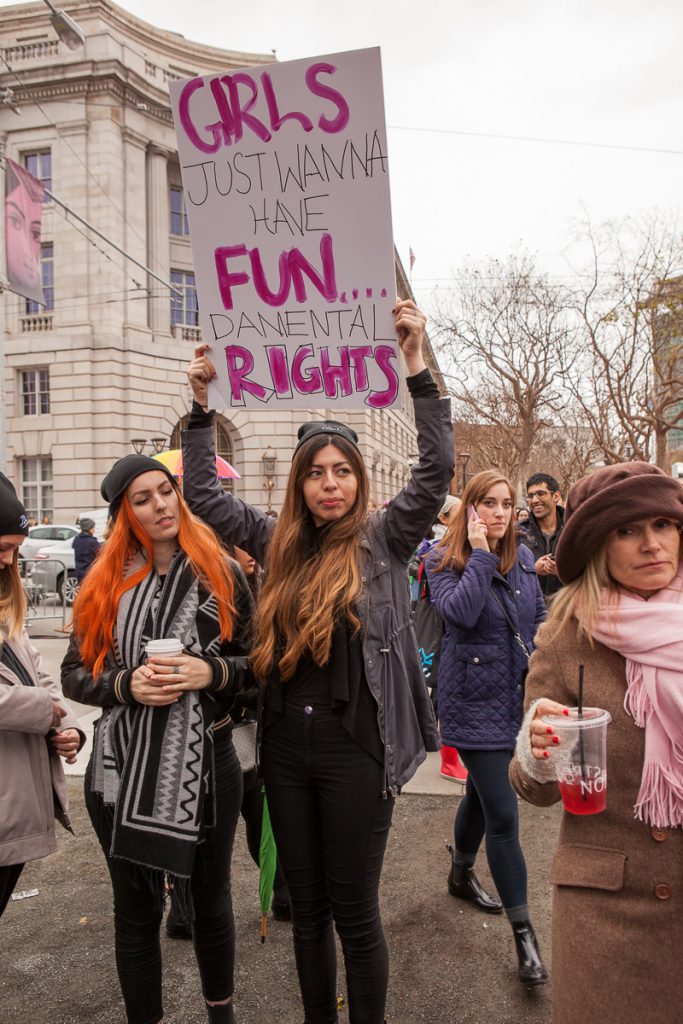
x,y
98,598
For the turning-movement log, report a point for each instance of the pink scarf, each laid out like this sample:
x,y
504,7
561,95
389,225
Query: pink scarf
x,y
649,634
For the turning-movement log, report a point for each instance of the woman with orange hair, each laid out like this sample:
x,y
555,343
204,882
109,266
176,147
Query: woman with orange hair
x,y
164,786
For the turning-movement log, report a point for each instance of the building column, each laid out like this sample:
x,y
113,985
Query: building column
x,y
158,227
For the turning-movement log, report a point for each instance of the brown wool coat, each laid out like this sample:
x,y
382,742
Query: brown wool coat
x,y
617,934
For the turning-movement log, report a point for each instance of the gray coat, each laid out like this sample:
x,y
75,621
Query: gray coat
x,y
392,666
29,772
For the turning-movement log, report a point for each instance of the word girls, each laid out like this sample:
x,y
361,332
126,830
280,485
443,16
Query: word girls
x,y
235,110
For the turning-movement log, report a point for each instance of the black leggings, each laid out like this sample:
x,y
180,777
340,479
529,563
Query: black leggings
x,y
331,826
139,901
490,808
9,876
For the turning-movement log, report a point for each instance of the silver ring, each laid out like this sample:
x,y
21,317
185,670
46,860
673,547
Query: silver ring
x,y
176,670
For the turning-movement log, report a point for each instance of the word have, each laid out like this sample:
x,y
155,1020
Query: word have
x,y
292,265
235,110
334,380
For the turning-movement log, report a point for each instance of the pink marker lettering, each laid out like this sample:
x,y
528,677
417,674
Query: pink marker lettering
x,y
338,123
279,297
279,370
226,279
240,363
240,111
276,118
306,381
187,123
299,265
358,354
384,357
333,375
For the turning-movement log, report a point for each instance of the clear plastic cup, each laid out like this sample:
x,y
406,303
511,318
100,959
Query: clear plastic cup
x,y
580,758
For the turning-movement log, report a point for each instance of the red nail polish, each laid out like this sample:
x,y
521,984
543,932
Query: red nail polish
x,y
549,731
565,711
546,754
556,739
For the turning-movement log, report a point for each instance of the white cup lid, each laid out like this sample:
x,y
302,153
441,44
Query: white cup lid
x,y
170,645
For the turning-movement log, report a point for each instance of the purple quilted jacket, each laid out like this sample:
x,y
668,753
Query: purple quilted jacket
x,y
482,668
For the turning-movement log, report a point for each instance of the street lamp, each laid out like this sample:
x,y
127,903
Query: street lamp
x,y
463,459
157,443
68,30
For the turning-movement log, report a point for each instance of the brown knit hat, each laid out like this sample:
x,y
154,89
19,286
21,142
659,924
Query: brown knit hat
x,y
606,499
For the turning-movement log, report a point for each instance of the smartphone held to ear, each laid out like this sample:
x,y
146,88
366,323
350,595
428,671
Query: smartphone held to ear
x,y
472,513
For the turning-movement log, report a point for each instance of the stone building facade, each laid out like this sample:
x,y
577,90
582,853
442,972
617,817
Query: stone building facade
x,y
105,362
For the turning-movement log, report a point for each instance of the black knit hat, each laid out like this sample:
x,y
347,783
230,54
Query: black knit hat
x,y
611,497
331,427
13,518
123,472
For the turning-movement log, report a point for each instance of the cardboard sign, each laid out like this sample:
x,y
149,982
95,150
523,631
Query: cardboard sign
x,y
286,186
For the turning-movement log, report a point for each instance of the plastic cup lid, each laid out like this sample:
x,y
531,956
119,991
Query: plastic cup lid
x,y
592,718
170,645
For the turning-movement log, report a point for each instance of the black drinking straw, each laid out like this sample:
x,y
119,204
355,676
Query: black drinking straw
x,y
582,752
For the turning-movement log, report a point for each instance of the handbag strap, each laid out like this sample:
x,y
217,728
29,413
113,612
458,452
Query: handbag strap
x,y
516,635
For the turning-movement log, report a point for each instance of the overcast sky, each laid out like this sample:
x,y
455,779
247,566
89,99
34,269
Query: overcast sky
x,y
595,71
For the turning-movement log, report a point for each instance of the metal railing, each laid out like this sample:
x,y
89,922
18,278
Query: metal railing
x,y
50,588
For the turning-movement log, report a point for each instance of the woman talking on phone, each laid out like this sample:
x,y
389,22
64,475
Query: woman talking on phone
x,y
347,714
487,593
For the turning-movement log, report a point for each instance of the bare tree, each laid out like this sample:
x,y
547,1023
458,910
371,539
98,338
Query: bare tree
x,y
628,379
508,339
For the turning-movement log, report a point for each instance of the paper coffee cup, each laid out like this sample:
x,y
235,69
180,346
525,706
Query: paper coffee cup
x,y
166,648
580,759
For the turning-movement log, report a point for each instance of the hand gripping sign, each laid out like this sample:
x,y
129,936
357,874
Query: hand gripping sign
x,y
286,185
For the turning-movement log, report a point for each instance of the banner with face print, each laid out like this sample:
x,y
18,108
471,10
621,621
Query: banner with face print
x,y
23,224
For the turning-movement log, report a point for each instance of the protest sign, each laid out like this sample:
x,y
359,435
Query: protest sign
x,y
286,185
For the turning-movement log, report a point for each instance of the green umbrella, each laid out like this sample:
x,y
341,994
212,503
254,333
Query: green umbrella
x,y
267,861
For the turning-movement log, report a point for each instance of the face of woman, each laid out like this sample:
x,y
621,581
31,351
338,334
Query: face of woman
x,y
9,543
644,556
155,505
23,214
244,559
495,509
330,487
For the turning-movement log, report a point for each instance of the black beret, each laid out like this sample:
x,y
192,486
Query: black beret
x,y
332,427
13,518
123,472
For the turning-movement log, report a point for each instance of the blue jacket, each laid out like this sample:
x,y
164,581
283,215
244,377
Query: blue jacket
x,y
482,668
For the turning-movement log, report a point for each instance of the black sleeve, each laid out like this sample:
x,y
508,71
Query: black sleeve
x,y
422,385
112,686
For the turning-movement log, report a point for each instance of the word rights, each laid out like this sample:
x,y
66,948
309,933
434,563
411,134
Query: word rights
x,y
286,185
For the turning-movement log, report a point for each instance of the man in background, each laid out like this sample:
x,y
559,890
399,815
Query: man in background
x,y
542,530
86,546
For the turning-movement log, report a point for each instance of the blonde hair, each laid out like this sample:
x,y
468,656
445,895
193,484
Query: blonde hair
x,y
12,600
581,599
304,591
455,545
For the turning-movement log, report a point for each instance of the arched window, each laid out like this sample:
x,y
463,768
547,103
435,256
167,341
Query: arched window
x,y
223,442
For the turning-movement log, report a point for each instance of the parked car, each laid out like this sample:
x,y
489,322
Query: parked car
x,y
39,536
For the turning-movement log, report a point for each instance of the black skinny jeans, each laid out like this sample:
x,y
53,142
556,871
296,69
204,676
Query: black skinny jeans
x,y
331,827
490,808
139,901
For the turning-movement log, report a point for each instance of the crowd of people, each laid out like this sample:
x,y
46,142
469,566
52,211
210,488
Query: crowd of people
x,y
202,615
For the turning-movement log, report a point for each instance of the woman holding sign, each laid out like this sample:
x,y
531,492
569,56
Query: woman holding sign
x,y
161,630
347,715
617,625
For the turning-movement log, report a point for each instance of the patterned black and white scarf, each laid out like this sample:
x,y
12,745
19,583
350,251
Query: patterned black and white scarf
x,y
154,765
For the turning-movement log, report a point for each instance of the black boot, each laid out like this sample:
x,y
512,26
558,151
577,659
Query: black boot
x,y
463,883
532,970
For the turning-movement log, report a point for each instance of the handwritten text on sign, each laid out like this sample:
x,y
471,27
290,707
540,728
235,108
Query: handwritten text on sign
x,y
286,185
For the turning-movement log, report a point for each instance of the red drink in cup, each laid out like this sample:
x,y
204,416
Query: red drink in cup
x,y
580,758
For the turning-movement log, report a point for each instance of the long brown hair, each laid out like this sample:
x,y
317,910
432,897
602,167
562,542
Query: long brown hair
x,y
305,590
12,599
98,597
455,545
